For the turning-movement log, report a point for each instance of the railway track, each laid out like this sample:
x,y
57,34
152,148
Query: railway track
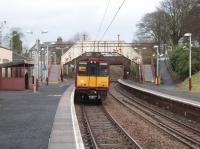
x,y
181,131
102,131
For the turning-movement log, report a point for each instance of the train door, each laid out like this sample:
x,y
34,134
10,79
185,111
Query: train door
x,y
92,73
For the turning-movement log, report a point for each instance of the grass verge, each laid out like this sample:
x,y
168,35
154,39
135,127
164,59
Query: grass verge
x,y
195,83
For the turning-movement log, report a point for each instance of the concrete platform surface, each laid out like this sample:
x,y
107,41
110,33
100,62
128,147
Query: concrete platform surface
x,y
65,132
166,92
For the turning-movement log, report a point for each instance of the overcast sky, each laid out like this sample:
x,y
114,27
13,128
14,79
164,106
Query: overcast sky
x,y
67,17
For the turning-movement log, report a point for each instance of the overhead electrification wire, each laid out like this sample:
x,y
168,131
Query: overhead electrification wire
x,y
112,20
104,15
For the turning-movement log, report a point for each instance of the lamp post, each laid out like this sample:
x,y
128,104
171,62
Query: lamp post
x,y
190,57
42,59
47,66
36,61
157,65
36,65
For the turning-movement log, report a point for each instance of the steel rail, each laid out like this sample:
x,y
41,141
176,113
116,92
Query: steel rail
x,y
160,125
121,129
116,125
196,131
89,128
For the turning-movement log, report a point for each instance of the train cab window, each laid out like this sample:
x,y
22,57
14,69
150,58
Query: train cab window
x,y
92,68
103,69
82,69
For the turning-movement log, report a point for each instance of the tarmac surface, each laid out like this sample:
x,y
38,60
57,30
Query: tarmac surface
x,y
26,119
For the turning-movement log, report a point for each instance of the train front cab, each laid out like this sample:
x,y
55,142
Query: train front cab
x,y
92,80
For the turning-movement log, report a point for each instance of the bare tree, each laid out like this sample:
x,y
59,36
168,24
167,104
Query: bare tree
x,y
177,11
169,22
153,27
192,22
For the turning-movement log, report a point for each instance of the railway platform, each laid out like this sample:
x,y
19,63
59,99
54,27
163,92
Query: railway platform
x,y
169,92
45,119
65,131
27,118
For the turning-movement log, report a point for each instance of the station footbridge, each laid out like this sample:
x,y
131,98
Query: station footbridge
x,y
107,48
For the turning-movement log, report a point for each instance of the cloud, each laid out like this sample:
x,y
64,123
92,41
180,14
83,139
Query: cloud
x,y
66,17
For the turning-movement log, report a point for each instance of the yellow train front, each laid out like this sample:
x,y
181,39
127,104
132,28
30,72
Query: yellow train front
x,y
92,79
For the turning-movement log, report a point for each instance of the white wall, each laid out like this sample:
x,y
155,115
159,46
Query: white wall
x,y
5,55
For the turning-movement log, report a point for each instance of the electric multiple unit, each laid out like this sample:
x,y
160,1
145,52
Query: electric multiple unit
x,y
92,78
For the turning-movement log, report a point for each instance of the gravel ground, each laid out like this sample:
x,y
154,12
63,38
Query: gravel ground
x,y
188,122
147,135
26,118
81,127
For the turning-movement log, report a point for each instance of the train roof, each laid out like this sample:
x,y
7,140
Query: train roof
x,y
92,56
92,59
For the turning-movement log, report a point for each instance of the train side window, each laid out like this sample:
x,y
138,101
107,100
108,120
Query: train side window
x,y
82,69
103,69
92,69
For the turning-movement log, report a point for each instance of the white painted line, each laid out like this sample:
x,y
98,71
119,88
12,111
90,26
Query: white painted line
x,y
55,95
170,97
57,138
77,133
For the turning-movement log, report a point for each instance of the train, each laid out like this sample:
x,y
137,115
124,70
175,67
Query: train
x,y
92,77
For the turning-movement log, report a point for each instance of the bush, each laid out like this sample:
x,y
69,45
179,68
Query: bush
x,y
179,59
134,73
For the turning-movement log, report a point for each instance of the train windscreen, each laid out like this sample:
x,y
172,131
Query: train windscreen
x,y
103,69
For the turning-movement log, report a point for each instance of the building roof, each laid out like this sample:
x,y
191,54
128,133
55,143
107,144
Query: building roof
x,y
18,63
4,48
17,57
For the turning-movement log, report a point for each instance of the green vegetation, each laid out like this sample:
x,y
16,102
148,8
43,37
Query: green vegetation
x,y
134,71
195,83
179,59
16,42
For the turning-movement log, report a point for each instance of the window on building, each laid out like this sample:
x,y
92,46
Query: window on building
x,y
6,72
3,73
18,72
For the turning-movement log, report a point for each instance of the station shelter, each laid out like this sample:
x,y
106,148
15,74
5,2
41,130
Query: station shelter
x,y
16,76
